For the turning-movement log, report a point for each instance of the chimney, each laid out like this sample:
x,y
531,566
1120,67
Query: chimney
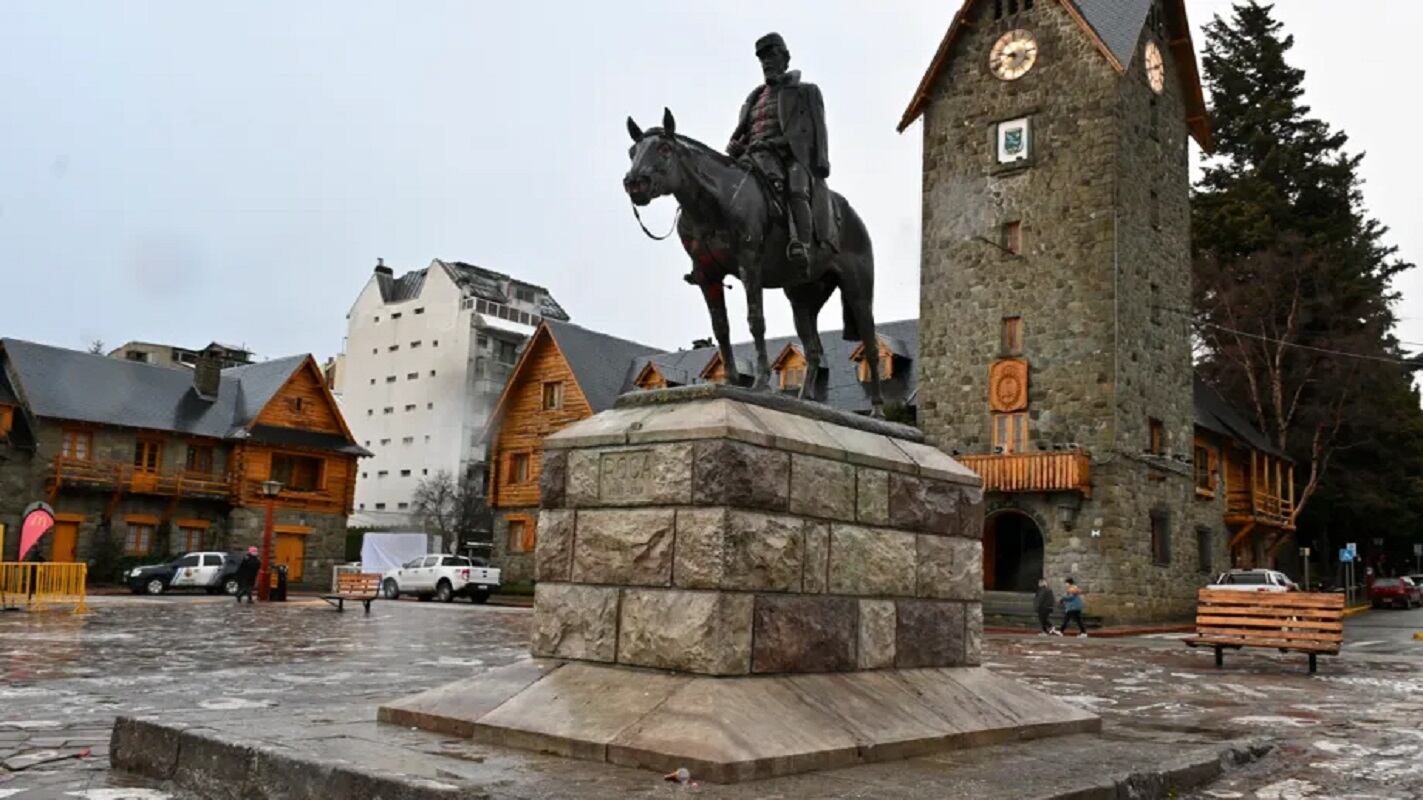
x,y
382,269
207,375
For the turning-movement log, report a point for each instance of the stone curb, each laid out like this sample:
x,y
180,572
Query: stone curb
x,y
214,765
219,766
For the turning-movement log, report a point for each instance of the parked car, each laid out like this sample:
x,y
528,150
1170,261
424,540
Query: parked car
x,y
1401,592
1254,580
212,572
442,577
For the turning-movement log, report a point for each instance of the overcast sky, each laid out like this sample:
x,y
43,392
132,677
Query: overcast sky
x,y
179,172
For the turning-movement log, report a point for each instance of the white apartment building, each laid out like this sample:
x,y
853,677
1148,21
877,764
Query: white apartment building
x,y
426,356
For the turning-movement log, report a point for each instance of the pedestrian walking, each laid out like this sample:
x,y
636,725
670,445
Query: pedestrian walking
x,y
247,575
1043,601
1072,606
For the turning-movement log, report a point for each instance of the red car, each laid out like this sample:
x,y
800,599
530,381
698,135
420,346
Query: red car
x,y
1401,592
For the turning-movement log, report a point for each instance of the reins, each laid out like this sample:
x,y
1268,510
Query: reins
x,y
675,217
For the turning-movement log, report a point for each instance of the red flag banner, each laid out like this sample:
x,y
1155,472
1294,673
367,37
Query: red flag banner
x,y
38,520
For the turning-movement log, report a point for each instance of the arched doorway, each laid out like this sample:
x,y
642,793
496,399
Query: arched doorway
x,y
1012,552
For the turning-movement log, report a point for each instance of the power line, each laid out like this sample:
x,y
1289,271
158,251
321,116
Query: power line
x,y
1408,362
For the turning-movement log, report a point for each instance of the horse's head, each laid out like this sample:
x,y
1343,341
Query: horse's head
x,y
654,172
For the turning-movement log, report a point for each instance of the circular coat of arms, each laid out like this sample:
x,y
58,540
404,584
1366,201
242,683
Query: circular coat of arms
x,y
1008,385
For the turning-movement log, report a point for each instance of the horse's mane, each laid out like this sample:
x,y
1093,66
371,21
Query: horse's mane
x,y
705,149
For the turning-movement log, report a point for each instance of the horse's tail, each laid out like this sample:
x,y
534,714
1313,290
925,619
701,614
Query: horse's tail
x,y
857,255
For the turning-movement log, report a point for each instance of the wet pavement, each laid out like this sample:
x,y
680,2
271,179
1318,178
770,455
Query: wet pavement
x,y
300,672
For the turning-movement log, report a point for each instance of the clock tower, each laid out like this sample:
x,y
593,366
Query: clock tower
x,y
1054,344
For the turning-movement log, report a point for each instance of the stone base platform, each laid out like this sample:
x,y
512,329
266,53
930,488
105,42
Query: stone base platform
x,y
727,730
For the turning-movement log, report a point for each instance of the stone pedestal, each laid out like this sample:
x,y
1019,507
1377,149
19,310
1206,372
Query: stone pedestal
x,y
700,548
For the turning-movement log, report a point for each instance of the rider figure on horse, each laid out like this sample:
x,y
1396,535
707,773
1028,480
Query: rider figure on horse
x,y
781,134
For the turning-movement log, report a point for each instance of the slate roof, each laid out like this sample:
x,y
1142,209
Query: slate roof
x,y
398,290
1215,414
58,383
1118,24
844,388
601,363
486,284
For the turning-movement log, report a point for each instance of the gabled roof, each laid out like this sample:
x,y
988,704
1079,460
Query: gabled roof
x,y
1115,27
64,384
398,290
1217,415
602,364
844,388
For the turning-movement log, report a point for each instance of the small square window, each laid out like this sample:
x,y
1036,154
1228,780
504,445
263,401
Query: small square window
x,y
393,348
414,344
1157,433
388,410
409,406
408,440
396,315
420,310
429,406
384,442
1013,237
382,473
519,468
390,379
405,473
1161,537
410,376
435,343
1012,336
553,396
380,506
370,412
402,506
373,381
432,373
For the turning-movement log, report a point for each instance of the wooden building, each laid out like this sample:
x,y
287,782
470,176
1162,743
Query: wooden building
x,y
142,461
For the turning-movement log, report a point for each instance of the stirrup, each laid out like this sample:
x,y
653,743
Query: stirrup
x,y
798,252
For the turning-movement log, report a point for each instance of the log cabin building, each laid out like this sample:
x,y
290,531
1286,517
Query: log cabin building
x,y
144,461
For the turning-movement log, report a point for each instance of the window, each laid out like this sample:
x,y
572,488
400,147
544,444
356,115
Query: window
x,y
1013,237
212,559
793,377
78,444
1002,8
402,506
482,307
188,561
393,348
377,319
414,344
380,506
518,467
521,535
405,473
190,538
147,455
553,395
382,473
300,473
388,410
7,420
396,315
432,373
199,459
139,539
370,412
1203,550
410,376
429,407
408,440
482,341
420,310
373,381
390,379
1161,537
524,294
1010,433
1205,470
1157,444
375,351
365,474
296,404
1011,336
435,343
506,352
384,442
409,406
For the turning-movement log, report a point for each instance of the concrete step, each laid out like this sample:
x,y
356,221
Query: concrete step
x,y
278,760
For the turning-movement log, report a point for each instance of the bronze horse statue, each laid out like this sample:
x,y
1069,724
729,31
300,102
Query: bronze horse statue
x,y
728,227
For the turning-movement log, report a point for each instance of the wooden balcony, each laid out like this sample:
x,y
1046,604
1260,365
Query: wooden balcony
x,y
1033,472
317,500
119,476
1244,506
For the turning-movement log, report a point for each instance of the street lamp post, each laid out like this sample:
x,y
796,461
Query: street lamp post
x,y
270,490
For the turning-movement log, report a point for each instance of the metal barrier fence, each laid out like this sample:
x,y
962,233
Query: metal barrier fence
x,y
41,585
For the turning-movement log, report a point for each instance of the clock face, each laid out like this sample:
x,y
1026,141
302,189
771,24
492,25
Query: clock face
x,y
1013,55
1155,68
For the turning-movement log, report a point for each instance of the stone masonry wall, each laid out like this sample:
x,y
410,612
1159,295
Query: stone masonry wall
x,y
726,558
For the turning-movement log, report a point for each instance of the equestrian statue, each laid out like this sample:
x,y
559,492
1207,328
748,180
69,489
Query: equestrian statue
x,y
763,213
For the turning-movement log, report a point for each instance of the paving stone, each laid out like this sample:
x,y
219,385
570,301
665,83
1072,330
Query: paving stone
x,y
804,634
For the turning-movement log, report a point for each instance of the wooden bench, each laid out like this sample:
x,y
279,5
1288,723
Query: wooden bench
x,y
362,587
1302,622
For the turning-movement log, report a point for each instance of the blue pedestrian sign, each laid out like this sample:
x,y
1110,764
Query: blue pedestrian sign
x,y
1345,555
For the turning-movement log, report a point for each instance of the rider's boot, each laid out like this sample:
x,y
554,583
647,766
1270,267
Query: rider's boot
x,y
798,250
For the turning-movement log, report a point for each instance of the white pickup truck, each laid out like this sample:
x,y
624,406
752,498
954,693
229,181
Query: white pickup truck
x,y
442,577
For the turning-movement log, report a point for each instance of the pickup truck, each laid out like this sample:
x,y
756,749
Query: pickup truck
x,y
212,572
442,577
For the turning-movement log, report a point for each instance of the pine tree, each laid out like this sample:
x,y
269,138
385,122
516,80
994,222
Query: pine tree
x,y
1290,271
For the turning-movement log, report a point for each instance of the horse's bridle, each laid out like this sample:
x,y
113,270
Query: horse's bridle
x,y
675,217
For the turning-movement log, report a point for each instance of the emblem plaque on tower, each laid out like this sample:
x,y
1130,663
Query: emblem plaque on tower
x,y
1015,140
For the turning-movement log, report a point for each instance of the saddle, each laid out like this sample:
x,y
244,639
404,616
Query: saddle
x,y
824,215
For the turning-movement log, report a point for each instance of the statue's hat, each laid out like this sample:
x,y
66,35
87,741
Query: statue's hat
x,y
768,41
